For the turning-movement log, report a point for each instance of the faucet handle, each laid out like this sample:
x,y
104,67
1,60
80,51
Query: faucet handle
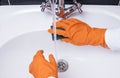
x,y
45,5
75,1
78,5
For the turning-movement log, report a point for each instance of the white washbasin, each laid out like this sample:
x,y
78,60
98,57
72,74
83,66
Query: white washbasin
x,y
23,31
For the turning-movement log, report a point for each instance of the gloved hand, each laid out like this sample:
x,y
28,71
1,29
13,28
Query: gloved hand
x,y
41,68
80,33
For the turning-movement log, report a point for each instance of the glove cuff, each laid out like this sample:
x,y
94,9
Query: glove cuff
x,y
96,36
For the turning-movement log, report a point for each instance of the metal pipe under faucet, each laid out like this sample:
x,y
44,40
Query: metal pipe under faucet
x,y
61,4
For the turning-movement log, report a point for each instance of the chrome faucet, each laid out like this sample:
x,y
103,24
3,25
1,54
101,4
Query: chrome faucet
x,y
61,11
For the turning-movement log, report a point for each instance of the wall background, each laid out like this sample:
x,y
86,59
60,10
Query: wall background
x,y
36,2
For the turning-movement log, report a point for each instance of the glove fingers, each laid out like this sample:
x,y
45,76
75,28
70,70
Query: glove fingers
x,y
52,60
73,20
63,24
71,41
66,40
30,68
39,55
58,32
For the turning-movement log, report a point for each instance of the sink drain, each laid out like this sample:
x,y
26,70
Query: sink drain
x,y
62,65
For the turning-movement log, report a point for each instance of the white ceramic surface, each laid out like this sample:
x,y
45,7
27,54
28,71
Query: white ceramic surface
x,y
23,30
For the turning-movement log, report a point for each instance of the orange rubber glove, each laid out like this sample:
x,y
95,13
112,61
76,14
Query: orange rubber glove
x,y
80,33
41,68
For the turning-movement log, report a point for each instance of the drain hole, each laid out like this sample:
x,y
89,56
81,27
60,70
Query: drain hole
x,y
62,65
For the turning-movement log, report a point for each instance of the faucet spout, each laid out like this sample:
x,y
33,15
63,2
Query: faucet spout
x,y
63,12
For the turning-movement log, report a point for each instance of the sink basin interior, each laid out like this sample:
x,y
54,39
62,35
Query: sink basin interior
x,y
26,32
17,54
